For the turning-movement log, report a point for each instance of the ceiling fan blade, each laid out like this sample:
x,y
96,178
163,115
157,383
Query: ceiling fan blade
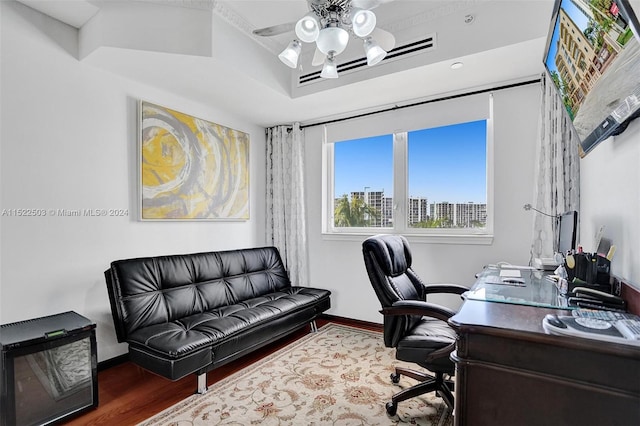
x,y
368,4
318,58
275,30
385,39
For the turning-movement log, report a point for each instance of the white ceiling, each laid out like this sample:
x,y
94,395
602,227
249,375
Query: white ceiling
x,y
504,43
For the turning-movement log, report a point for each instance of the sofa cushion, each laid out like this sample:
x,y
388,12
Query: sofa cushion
x,y
159,290
183,336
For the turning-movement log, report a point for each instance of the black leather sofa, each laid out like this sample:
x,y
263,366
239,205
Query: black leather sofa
x,y
191,313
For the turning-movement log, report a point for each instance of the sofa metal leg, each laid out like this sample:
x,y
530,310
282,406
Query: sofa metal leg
x,y
314,327
202,383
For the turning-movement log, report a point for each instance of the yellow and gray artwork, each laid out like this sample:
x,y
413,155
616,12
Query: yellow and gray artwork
x,y
191,168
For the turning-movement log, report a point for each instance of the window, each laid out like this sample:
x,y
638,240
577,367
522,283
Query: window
x,y
363,182
447,176
433,181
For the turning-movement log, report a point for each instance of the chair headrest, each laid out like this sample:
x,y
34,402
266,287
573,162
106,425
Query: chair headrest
x,y
391,251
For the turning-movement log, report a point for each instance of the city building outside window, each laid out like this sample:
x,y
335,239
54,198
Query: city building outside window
x,y
446,177
433,182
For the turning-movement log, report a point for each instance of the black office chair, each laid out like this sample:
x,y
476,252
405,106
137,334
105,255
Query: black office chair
x,y
416,328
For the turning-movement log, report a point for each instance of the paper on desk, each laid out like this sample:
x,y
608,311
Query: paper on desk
x,y
511,273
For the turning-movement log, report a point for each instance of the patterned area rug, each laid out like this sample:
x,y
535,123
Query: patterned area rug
x,y
337,376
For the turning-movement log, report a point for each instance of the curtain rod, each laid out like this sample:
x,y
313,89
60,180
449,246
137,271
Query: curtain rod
x,y
445,98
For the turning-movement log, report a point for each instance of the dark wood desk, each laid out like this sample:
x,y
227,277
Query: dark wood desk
x,y
510,372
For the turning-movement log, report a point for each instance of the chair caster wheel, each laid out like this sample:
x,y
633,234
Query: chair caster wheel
x,y
395,378
392,408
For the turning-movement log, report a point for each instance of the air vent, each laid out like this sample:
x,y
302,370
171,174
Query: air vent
x,y
408,49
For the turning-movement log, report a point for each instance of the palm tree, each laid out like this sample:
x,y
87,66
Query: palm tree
x,y
601,10
568,104
595,32
433,223
354,213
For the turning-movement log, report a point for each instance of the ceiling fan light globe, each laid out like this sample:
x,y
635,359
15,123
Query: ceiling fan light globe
x,y
363,22
308,28
332,39
291,53
330,68
374,52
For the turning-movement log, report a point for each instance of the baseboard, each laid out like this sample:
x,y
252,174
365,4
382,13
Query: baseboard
x,y
112,362
352,322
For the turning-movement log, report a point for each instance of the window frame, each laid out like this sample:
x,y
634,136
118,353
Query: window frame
x,y
400,196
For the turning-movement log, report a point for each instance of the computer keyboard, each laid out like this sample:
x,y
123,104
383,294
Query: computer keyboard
x,y
604,315
629,328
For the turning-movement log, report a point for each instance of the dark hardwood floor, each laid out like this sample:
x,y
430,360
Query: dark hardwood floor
x,y
128,394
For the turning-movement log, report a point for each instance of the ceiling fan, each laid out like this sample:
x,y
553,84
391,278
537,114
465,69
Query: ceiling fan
x,y
329,24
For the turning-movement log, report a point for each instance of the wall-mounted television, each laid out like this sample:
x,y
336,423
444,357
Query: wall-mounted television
x,y
593,57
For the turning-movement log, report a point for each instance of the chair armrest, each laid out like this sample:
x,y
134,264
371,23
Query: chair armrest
x,y
446,351
445,288
417,307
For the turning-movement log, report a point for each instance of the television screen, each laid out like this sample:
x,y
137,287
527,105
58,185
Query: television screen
x,y
593,58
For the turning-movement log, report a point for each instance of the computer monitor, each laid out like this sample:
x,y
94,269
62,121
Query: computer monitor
x,y
567,225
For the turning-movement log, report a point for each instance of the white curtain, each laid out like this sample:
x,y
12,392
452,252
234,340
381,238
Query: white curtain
x,y
286,220
558,170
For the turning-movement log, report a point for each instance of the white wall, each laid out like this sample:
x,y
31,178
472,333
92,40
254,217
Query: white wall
x,y
69,142
338,265
610,197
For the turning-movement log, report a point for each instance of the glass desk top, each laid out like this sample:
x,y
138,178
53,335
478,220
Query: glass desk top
x,y
533,288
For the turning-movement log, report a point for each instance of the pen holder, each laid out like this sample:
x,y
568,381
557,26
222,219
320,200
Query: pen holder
x,y
589,267
603,270
589,270
578,268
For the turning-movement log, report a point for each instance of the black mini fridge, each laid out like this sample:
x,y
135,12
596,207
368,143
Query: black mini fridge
x,y
49,369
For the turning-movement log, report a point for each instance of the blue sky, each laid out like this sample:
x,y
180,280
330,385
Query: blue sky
x,y
580,19
445,164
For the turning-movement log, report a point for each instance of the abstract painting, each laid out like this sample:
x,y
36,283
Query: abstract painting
x,y
191,169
